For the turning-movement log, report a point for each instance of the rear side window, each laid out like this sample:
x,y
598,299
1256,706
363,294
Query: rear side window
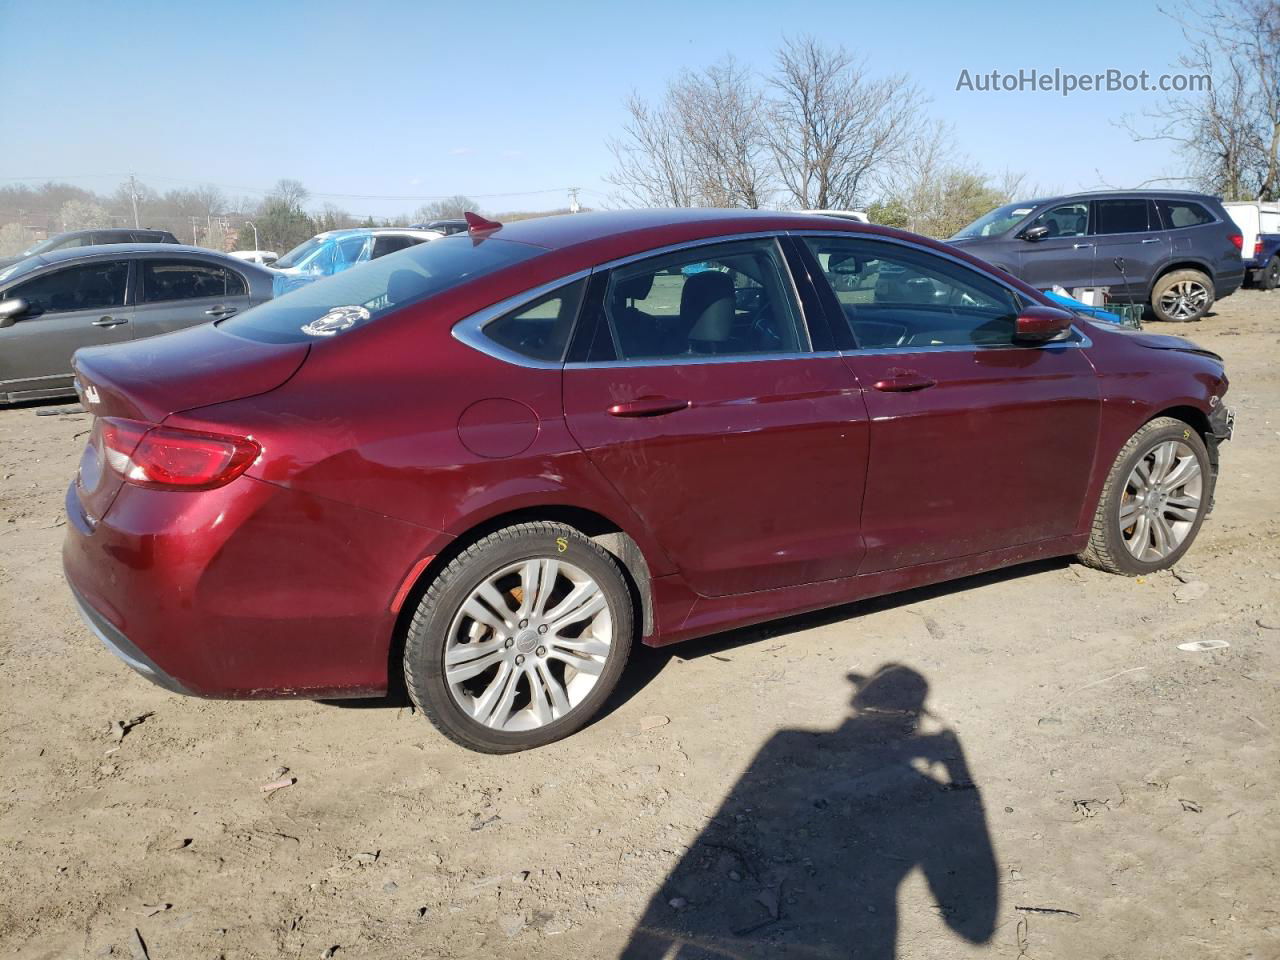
x,y
1124,216
353,298
92,286
384,245
539,330
1182,213
164,280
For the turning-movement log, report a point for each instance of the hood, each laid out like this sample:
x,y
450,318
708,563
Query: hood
x,y
1153,341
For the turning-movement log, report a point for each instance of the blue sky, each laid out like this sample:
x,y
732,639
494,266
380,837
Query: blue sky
x,y
413,99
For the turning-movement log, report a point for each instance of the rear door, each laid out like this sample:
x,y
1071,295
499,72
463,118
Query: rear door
x,y
179,292
976,443
71,307
1065,255
701,400
1130,246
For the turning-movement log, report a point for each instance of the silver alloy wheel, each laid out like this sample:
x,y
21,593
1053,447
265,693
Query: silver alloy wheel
x,y
528,644
1161,501
1184,300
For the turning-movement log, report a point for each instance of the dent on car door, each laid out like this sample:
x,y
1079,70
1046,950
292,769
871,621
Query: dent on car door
x,y
977,442
700,400
177,293
78,306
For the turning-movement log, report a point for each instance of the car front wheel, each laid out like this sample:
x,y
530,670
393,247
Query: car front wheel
x,y
1153,502
520,639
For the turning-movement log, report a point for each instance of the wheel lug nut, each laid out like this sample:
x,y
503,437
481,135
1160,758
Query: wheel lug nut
x,y
543,628
509,643
519,659
542,651
523,624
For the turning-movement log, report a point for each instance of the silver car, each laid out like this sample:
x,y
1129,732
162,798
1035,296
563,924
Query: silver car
x,y
55,303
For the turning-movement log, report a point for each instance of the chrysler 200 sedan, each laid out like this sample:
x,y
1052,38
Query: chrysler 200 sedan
x,y
488,464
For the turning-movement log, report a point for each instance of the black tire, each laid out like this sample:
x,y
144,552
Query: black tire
x,y
1269,279
428,632
1106,549
1171,280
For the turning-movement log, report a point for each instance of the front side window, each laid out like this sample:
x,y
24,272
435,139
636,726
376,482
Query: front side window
x,y
1067,220
1123,216
1183,213
352,298
894,296
351,250
186,280
92,286
730,299
539,330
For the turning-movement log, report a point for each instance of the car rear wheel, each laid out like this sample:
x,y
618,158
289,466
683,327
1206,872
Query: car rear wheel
x,y
520,639
1154,500
1182,296
1271,274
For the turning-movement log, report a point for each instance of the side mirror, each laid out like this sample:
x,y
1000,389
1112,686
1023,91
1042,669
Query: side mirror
x,y
1036,324
11,310
1035,233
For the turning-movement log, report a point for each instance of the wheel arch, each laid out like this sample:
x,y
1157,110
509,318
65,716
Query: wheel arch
x,y
596,526
1181,264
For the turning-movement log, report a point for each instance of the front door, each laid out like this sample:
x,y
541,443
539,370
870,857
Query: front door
x,y
177,293
704,406
1064,256
79,306
977,443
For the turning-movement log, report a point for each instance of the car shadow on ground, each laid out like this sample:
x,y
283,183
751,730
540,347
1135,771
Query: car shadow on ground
x,y
805,856
648,662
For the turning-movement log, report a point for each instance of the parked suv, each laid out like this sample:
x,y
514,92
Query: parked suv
x,y
1175,250
87,238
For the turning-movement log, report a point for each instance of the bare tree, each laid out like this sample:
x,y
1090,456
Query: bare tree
x,y
291,193
1230,132
832,128
447,208
703,145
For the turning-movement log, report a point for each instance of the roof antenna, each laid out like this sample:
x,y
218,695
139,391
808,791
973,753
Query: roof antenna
x,y
477,224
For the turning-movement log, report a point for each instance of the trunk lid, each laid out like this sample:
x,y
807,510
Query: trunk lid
x,y
148,380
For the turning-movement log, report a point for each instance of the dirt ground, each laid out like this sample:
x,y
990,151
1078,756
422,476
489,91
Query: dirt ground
x,y
1072,760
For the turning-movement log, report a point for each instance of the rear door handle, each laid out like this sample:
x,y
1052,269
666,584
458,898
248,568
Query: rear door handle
x,y
904,381
220,311
1080,246
648,407
109,321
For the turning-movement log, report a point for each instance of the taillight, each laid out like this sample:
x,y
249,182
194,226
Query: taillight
x,y
1257,248
1237,241
167,458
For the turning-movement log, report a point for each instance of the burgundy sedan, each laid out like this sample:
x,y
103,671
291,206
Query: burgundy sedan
x,y
491,463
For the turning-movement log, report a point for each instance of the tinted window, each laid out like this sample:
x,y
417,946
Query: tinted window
x,y
187,280
384,245
1123,216
377,288
729,299
1182,213
1067,220
539,330
92,286
894,296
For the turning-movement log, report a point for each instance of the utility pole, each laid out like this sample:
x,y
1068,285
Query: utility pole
x,y
573,200
133,197
195,240
250,223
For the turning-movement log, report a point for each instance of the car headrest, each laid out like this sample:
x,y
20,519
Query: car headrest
x,y
634,288
707,304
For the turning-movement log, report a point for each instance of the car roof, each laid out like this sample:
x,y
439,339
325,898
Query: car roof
x,y
1117,195
166,250
375,231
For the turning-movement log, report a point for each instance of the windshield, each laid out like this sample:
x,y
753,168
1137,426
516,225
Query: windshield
x,y
998,221
353,298
301,253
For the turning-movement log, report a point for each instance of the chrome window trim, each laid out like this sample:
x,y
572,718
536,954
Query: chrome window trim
x,y
471,329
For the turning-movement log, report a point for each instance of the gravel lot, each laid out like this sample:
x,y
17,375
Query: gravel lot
x,y
1071,759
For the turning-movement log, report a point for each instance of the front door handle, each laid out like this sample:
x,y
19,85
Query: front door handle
x,y
220,311
1151,240
904,381
109,321
1080,246
648,407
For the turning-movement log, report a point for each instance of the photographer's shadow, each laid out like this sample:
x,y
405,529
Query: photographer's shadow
x,y
805,856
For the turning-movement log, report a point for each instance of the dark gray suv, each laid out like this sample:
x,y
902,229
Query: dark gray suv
x,y
1175,250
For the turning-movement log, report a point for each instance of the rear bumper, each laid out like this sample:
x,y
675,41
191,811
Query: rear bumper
x,y
1228,283
248,591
